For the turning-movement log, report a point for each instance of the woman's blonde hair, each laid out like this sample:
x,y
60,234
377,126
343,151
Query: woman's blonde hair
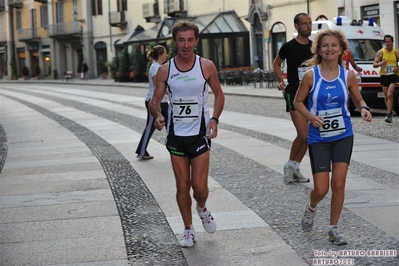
x,y
316,46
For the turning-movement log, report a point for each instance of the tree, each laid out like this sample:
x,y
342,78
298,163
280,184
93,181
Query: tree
x,y
37,70
25,71
124,66
113,68
102,67
138,63
13,65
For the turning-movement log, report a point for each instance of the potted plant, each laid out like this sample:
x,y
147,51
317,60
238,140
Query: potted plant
x,y
25,72
37,71
102,69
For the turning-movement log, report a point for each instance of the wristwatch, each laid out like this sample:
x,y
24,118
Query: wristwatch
x,y
366,107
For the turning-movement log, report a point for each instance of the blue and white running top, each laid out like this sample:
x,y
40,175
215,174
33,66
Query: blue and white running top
x,y
329,98
188,100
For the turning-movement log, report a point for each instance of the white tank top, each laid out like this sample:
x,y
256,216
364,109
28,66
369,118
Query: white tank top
x,y
188,98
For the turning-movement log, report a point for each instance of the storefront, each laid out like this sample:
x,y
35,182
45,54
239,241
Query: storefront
x,y
224,39
372,11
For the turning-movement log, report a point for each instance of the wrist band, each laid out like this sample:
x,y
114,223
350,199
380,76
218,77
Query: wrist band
x,y
216,120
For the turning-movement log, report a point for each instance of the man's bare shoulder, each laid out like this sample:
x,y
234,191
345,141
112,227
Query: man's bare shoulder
x,y
206,62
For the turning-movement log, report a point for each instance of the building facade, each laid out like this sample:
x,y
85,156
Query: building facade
x,y
58,35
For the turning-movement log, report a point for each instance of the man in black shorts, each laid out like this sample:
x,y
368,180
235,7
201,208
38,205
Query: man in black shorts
x,y
387,60
295,52
190,125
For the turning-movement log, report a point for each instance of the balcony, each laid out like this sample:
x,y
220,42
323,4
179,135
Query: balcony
x,y
2,5
15,4
151,12
65,30
28,35
175,8
117,18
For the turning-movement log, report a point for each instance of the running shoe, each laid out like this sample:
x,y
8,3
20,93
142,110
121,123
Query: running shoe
x,y
336,238
307,219
288,174
188,238
298,177
145,157
388,118
208,222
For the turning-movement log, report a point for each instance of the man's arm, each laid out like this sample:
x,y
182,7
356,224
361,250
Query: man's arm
x,y
353,63
377,59
159,92
277,70
210,71
357,98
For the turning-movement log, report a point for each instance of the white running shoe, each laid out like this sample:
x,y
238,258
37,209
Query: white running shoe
x,y
188,238
298,177
307,219
288,174
208,222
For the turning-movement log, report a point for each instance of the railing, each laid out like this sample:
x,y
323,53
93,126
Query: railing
x,y
148,11
65,28
2,5
117,18
3,38
175,6
151,12
31,33
27,34
15,3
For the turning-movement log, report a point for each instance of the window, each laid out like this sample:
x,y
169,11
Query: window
x,y
97,7
18,20
122,5
60,12
341,11
43,16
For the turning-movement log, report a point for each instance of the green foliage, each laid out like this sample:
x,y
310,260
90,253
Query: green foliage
x,y
171,49
25,71
13,64
124,65
102,67
138,63
113,67
37,70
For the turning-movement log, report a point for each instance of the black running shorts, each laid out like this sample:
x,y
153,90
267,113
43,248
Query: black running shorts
x,y
191,146
322,154
289,96
386,80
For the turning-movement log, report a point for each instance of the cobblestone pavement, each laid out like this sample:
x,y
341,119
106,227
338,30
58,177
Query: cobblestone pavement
x,y
254,184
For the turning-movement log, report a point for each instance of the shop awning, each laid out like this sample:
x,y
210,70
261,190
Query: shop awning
x,y
139,29
216,23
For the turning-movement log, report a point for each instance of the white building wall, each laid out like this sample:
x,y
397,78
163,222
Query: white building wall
x,y
134,16
389,21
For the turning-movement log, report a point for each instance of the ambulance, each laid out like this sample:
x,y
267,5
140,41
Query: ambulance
x,y
365,39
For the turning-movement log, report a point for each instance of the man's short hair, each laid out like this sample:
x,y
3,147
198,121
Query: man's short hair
x,y
183,26
388,36
296,18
